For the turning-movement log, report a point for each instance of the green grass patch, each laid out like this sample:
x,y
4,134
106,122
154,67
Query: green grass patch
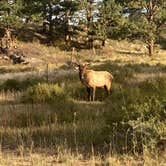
x,y
19,85
130,120
43,92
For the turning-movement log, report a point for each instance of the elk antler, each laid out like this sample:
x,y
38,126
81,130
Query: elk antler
x,y
75,60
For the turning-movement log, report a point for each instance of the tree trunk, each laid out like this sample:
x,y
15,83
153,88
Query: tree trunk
x,y
90,43
103,42
44,18
151,48
44,27
150,18
50,19
89,18
66,32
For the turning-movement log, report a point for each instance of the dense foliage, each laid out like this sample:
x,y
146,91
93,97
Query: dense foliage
x,y
89,19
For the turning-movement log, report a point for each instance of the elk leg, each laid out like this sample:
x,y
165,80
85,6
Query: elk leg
x,y
108,92
89,96
94,90
107,88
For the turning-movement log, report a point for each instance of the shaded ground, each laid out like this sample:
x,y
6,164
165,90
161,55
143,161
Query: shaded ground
x,y
54,74
77,123
137,71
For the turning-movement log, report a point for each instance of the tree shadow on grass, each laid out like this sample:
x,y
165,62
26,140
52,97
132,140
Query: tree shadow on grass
x,y
124,75
130,68
130,53
162,42
80,124
30,34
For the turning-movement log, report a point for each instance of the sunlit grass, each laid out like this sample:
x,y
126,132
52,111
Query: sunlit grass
x,y
51,113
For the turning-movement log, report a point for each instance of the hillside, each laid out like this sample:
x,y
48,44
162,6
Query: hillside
x,y
47,120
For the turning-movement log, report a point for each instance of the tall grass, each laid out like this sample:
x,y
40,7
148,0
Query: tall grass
x,y
52,115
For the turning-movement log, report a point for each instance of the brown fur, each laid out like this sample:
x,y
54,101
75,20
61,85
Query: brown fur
x,y
95,79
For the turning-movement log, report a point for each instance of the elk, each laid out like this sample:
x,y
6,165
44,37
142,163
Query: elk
x,y
94,79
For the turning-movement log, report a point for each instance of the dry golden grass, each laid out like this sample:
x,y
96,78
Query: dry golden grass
x,y
42,53
62,134
28,157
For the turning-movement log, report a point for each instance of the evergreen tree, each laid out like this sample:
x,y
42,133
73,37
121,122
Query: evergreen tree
x,y
89,8
55,13
10,12
68,8
146,18
110,17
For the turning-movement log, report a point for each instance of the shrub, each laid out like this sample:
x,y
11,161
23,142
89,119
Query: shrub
x,y
11,84
19,85
43,92
154,88
136,113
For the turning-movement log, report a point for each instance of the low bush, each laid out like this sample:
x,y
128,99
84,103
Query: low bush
x,y
44,92
11,84
137,115
19,85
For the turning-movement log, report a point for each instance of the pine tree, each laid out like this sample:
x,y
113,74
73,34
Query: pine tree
x,y
146,18
109,17
67,11
89,8
10,12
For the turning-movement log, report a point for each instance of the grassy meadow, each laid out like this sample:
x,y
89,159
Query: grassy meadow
x,y
47,120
